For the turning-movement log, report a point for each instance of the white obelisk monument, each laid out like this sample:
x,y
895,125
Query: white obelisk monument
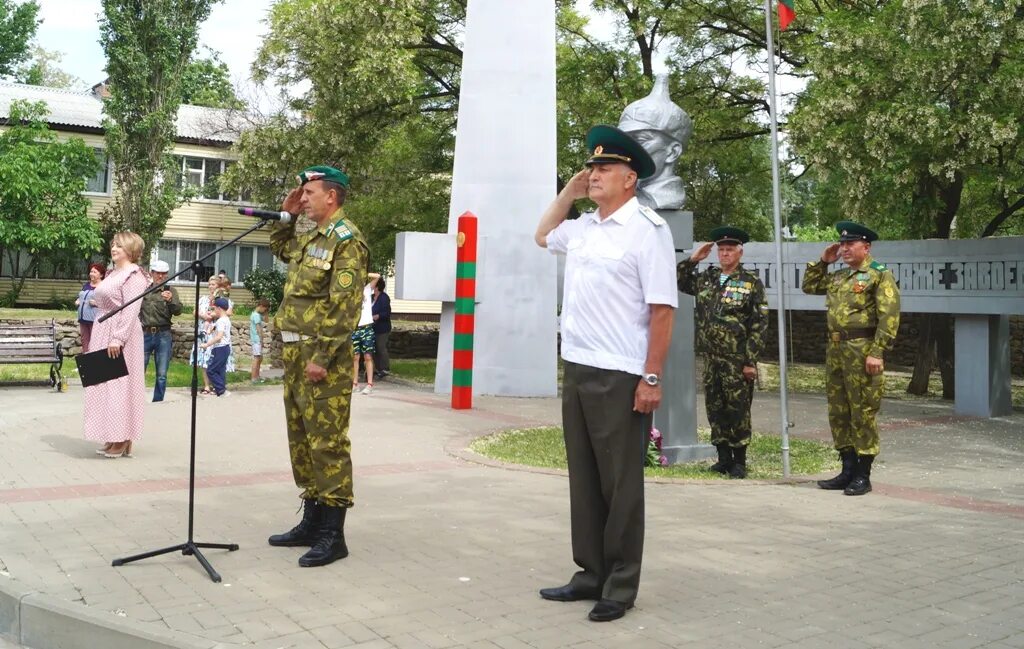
x,y
505,174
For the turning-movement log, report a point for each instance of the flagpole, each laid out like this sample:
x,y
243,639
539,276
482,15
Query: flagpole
x,y
779,274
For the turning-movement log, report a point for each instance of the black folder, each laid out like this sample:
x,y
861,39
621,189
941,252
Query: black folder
x,y
97,367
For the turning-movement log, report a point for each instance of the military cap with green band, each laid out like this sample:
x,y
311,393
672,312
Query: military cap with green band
x,y
853,231
608,145
323,172
729,234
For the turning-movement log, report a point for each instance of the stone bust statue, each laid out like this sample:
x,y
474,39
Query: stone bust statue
x,y
664,130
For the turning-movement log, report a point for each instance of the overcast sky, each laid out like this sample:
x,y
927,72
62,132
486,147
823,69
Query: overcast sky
x,y
71,27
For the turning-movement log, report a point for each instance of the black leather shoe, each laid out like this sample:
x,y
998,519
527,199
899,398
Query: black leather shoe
x,y
849,458
607,610
330,545
858,486
305,533
568,593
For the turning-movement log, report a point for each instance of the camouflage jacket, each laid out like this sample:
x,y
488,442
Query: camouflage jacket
x,y
323,294
732,318
856,299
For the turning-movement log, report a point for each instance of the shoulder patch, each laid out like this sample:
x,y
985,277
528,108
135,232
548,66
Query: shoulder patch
x,y
652,216
879,266
342,231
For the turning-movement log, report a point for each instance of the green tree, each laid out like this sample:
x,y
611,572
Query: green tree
x,y
914,114
148,46
380,104
43,69
42,210
207,82
18,24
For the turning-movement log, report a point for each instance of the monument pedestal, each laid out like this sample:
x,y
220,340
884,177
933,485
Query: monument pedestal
x,y
676,419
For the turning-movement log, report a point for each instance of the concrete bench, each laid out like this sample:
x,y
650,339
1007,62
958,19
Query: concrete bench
x,y
33,343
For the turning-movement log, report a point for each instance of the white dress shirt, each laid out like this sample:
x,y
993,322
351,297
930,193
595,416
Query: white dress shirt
x,y
615,269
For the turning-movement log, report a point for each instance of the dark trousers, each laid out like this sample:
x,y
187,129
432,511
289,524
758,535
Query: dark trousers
x,y
217,368
159,346
605,444
381,359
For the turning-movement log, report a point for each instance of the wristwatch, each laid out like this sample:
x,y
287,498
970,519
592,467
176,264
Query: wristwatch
x,y
651,379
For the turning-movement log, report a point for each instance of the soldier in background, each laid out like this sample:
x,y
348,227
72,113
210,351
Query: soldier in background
x,y
731,320
323,295
863,306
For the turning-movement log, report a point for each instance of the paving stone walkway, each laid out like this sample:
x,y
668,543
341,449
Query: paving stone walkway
x,y
448,552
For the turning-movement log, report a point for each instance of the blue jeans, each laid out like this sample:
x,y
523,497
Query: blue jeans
x,y
159,345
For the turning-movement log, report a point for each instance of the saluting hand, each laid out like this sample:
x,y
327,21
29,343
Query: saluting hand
x,y
293,201
578,186
702,252
831,254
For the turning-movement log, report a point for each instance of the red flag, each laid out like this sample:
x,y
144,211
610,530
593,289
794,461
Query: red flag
x,y
786,13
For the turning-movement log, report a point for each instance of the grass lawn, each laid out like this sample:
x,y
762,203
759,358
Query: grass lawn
x,y
414,369
179,374
544,447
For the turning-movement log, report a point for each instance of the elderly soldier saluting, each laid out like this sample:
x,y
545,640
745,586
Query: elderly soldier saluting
x,y
732,316
323,295
863,307
617,312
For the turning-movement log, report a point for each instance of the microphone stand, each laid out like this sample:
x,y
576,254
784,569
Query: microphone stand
x,y
190,546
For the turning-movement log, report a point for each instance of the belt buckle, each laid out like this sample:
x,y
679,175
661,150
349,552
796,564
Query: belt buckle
x,y
836,337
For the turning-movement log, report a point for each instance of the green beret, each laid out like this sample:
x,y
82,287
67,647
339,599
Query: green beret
x,y
322,172
608,144
851,231
729,234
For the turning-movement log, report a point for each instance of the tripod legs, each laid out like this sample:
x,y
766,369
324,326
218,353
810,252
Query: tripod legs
x,y
186,548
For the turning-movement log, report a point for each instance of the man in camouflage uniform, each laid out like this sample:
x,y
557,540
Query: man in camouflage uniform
x,y
327,269
863,305
732,317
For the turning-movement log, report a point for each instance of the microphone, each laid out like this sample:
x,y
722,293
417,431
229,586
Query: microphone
x,y
266,215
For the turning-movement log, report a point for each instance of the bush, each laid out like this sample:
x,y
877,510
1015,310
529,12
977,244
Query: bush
x,y
265,283
62,303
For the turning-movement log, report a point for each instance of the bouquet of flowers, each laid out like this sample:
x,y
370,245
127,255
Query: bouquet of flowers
x,y
654,455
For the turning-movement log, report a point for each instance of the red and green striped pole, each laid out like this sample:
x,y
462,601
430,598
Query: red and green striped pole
x,y
465,304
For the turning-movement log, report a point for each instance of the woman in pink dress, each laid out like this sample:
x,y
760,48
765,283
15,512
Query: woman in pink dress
x,y
113,410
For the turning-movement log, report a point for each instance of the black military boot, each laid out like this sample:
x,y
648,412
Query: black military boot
x,y
861,483
330,544
739,463
849,458
305,532
724,459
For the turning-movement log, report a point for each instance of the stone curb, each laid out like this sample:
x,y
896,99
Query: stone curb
x,y
35,619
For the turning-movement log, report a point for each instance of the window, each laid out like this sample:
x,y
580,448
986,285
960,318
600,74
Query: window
x,y
236,261
204,175
100,183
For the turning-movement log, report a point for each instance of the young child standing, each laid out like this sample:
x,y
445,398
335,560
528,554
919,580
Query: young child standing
x,y
256,337
219,345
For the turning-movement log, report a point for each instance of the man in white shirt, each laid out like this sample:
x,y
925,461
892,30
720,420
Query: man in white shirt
x,y
617,312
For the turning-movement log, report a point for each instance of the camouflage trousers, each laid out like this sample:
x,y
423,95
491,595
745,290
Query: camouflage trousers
x,y
317,415
853,396
727,398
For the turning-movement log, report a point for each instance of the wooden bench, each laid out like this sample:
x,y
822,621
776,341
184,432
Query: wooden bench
x,y
33,343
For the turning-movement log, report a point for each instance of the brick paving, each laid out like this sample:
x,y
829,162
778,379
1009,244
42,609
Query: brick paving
x,y
447,552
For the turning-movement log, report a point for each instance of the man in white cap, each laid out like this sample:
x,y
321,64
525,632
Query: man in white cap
x,y
157,311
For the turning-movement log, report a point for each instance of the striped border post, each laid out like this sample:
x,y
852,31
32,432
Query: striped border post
x,y
465,304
